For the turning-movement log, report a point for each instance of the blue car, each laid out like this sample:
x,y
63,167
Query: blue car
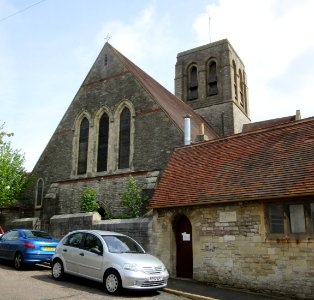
x,y
27,246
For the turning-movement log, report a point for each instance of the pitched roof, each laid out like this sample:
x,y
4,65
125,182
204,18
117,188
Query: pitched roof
x,y
267,123
175,108
268,163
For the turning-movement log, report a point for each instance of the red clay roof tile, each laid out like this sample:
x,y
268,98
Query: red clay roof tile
x,y
268,163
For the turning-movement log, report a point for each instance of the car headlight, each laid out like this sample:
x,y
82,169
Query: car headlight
x,y
131,267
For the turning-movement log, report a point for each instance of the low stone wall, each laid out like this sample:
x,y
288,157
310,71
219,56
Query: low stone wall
x,y
140,228
26,223
7,215
60,225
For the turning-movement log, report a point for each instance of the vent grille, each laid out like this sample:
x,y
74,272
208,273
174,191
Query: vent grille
x,y
152,270
153,283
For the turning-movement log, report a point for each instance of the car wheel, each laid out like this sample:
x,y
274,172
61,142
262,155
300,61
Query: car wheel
x,y
112,282
57,270
18,261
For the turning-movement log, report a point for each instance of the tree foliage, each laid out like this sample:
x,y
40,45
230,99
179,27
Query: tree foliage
x,y
89,200
13,177
4,134
132,199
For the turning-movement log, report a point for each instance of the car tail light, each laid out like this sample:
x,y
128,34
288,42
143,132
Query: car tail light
x,y
29,245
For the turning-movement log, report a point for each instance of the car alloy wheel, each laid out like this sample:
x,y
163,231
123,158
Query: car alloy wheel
x,y
57,270
18,261
112,282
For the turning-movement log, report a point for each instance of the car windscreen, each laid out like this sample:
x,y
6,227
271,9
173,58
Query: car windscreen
x,y
37,234
121,244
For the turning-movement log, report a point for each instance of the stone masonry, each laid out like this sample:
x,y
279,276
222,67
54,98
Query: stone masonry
x,y
107,88
231,247
222,111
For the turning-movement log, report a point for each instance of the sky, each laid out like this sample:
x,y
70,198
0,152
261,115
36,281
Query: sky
x,y
47,48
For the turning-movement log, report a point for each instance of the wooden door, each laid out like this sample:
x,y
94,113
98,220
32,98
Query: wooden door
x,y
184,264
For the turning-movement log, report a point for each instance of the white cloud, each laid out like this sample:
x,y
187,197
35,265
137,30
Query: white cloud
x,y
147,40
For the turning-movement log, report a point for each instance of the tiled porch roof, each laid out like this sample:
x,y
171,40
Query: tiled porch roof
x,y
268,163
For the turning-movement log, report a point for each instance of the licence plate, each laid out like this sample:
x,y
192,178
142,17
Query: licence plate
x,y
155,278
49,248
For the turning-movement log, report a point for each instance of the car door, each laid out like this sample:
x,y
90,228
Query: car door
x,y
70,251
9,243
91,257
3,244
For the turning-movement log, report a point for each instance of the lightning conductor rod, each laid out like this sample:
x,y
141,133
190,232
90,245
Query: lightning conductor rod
x,y
210,40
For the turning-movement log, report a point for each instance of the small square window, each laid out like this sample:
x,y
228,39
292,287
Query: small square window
x,y
275,217
291,219
297,220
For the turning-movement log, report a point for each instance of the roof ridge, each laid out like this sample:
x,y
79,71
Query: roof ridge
x,y
254,132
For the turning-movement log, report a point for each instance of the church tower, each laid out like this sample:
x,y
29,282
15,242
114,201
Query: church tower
x,y
212,80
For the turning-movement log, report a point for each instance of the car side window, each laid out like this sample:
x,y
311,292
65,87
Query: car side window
x,y
10,236
74,240
93,242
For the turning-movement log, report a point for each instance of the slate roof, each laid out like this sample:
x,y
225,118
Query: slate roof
x,y
174,107
277,162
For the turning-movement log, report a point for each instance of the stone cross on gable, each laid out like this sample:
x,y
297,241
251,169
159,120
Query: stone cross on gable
x,y
107,38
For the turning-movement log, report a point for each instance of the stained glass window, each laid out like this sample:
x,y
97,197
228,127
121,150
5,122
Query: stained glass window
x,y
124,139
103,136
39,195
83,147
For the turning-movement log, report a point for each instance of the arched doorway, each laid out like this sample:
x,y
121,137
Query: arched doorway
x,y
183,232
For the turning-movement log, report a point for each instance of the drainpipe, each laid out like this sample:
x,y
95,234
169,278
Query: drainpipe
x,y
187,130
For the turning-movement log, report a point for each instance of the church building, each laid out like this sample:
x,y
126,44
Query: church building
x,y
231,202
122,122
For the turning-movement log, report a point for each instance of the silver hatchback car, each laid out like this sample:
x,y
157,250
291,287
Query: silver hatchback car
x,y
109,257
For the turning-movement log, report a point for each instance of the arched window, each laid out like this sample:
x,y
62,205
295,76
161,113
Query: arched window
x,y
103,135
124,139
83,147
193,84
39,192
245,91
241,89
212,79
235,80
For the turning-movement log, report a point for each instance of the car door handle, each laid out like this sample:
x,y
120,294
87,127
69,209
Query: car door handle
x,y
64,250
82,254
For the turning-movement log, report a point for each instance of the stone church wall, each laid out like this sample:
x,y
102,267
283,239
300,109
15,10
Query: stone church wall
x,y
155,136
231,247
108,193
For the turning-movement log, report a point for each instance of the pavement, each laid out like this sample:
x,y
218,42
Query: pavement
x,y
201,291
